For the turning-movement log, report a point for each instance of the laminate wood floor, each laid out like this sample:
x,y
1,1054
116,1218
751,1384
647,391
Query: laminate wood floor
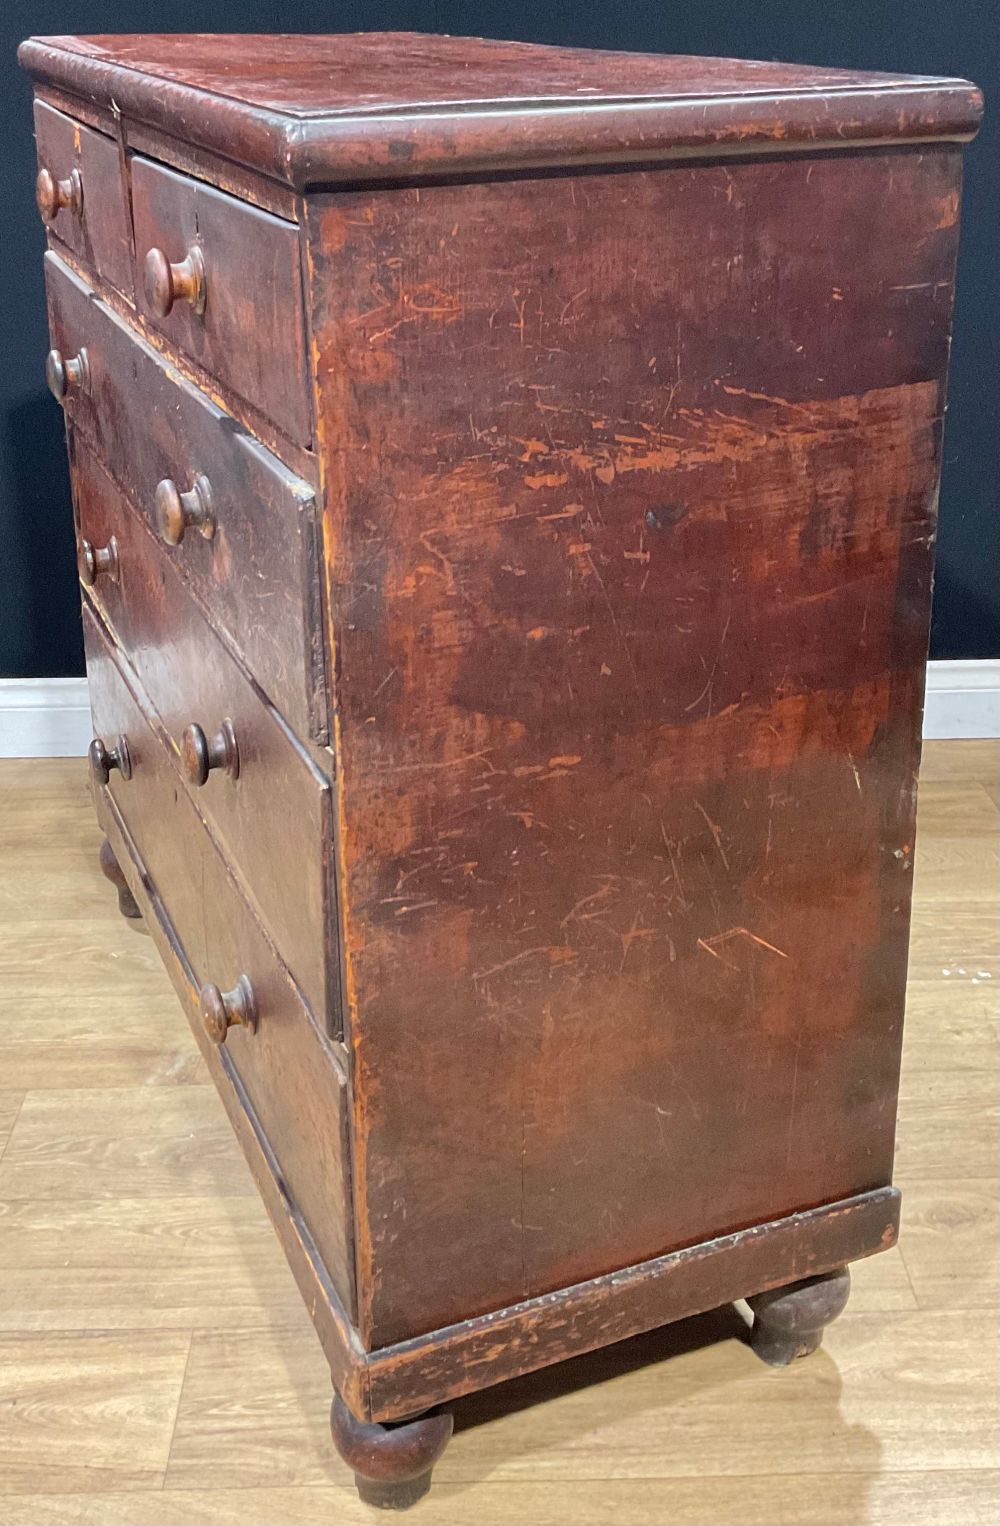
x,y
156,1365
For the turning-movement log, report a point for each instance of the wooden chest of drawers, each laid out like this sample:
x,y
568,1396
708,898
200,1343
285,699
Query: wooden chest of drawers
x,y
505,482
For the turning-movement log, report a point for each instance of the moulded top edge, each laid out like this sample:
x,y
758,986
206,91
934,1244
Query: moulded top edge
x,y
336,109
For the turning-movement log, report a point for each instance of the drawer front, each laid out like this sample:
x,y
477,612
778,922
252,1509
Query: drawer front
x,y
258,571
234,304
291,1079
267,802
81,195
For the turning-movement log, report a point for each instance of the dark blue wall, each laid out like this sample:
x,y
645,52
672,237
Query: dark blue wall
x,y
39,618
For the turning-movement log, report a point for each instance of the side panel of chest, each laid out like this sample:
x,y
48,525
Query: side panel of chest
x,y
631,485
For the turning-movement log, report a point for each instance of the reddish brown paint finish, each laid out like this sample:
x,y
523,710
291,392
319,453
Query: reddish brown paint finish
x,y
98,230
280,856
462,1358
314,111
628,484
631,618
329,1311
392,1465
258,570
293,1080
250,331
397,71
111,869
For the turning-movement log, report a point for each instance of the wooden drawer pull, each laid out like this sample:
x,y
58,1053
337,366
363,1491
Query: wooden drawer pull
x,y
177,511
93,561
63,375
52,194
103,760
166,284
222,1010
200,754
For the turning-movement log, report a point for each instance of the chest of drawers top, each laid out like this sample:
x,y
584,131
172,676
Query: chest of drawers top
x,y
334,110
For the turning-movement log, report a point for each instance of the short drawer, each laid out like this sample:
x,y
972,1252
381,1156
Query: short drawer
x,y
291,1078
265,799
222,281
236,524
81,196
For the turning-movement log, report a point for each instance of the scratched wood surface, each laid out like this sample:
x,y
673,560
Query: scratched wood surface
x,y
312,111
292,1081
321,76
99,231
279,858
156,1363
254,290
146,423
629,559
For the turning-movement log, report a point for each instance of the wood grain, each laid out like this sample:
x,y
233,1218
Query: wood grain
x,y
951,1242
157,1141
251,334
10,1106
148,424
293,1079
321,110
891,1424
147,1044
410,1377
233,1379
935,1140
628,821
188,675
81,1411
134,1263
879,1499
101,234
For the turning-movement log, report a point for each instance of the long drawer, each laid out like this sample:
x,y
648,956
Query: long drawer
x,y
235,522
266,800
290,1076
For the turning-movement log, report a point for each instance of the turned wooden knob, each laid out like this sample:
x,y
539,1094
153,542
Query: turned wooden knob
x,y
177,511
166,284
61,375
200,754
92,561
52,194
222,1010
104,759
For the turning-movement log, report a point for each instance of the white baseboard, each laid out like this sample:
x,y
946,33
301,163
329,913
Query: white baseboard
x,y
50,717
44,718
963,699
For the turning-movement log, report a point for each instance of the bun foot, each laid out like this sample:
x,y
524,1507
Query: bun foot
x,y
111,869
392,1463
789,1322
